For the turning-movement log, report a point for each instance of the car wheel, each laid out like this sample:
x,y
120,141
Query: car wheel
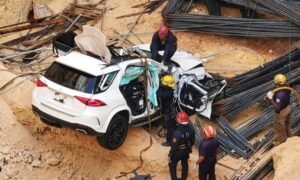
x,y
115,133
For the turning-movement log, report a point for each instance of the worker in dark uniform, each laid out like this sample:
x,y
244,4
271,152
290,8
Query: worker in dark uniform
x,y
280,100
208,154
165,94
182,142
164,40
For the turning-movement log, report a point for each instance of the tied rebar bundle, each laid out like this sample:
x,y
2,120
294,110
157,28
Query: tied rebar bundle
x,y
232,26
265,72
281,8
178,6
233,105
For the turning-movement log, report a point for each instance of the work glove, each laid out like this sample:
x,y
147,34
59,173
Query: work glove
x,y
270,95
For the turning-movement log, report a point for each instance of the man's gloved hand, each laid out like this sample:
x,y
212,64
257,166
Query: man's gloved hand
x,y
270,95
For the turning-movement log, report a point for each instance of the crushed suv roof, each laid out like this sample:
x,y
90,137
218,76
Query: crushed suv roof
x,y
83,63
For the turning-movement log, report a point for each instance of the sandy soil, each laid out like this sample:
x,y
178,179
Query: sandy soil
x,y
32,150
286,161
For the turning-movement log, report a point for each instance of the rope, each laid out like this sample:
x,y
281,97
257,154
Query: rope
x,y
290,89
145,64
250,21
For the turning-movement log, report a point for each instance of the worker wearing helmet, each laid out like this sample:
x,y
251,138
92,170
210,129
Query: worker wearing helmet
x,y
182,142
163,40
280,101
208,153
165,94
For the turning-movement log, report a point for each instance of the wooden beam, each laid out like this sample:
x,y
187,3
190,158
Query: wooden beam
x,y
31,26
11,48
132,14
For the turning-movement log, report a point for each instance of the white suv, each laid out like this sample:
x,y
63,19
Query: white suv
x,y
83,93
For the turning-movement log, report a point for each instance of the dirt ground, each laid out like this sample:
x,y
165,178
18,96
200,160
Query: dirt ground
x,y
286,161
32,150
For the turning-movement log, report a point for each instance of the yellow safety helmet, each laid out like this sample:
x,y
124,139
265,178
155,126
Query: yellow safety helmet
x,y
168,80
280,79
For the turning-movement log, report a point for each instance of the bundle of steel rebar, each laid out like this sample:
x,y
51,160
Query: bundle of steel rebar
x,y
231,135
178,6
231,106
232,25
282,9
248,4
235,136
265,72
153,5
256,124
264,119
260,161
231,148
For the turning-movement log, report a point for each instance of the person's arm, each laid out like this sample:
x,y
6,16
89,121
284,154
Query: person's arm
x,y
154,47
193,136
174,144
200,159
170,44
202,153
166,53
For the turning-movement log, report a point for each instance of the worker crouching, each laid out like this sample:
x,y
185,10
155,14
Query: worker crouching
x,y
208,154
181,147
163,40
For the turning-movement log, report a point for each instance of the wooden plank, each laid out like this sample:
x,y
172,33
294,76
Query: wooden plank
x,y
132,14
31,26
11,48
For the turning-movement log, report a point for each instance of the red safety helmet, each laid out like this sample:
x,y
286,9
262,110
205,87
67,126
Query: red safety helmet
x,y
182,118
163,31
208,131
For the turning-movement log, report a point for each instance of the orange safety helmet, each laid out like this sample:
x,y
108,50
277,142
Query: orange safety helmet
x,y
182,118
208,131
163,31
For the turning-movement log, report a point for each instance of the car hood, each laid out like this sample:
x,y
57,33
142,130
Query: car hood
x,y
180,57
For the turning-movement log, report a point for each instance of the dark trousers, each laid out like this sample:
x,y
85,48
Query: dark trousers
x,y
169,125
207,173
282,125
183,157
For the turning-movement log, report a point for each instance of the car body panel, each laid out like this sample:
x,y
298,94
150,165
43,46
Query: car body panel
x,y
82,63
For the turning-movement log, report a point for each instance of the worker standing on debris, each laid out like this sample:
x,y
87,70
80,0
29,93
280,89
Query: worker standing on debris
x,y
280,100
182,142
164,40
208,154
166,93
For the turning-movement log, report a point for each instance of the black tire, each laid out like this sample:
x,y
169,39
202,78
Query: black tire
x,y
115,134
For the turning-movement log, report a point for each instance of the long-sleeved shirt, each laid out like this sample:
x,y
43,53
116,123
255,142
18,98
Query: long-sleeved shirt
x,y
208,149
169,45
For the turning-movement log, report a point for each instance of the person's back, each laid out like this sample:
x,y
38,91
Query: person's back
x,y
183,140
166,95
208,148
